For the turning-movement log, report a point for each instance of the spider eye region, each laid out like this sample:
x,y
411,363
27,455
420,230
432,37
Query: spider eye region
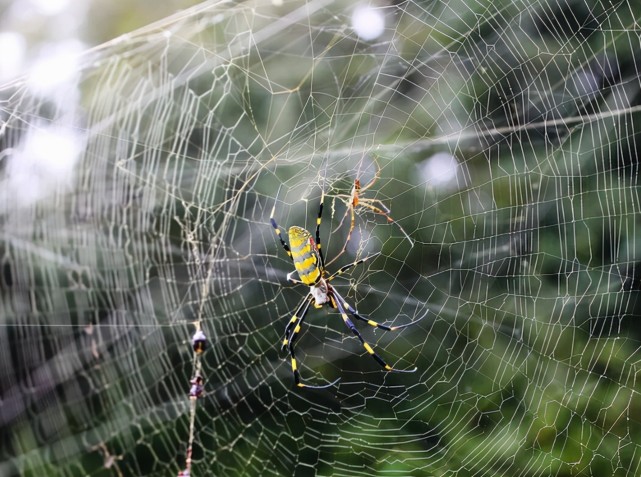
x,y
305,255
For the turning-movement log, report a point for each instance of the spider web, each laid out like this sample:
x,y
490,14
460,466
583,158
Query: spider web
x,y
135,210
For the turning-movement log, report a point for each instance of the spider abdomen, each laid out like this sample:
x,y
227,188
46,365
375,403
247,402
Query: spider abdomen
x,y
305,255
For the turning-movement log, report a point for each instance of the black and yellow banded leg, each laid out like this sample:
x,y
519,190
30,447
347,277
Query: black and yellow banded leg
x,y
373,323
297,379
337,299
279,232
291,333
318,223
293,327
345,268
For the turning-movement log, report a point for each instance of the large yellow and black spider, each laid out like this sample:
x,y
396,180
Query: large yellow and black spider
x,y
310,265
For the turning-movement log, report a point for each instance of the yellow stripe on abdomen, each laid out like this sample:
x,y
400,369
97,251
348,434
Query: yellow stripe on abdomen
x,y
305,255
310,278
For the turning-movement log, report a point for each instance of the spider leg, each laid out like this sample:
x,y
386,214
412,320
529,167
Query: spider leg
x,y
344,268
382,210
342,221
352,224
297,379
279,232
356,193
339,301
351,204
293,327
291,333
373,323
318,223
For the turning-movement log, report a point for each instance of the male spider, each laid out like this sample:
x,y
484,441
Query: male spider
x,y
310,265
355,199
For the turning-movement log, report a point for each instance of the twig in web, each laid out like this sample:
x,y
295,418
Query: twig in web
x,y
197,390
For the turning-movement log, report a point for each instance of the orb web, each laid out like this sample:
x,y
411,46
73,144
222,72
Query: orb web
x,y
499,143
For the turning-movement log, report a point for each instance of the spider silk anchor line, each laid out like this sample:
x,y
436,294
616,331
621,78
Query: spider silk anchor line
x,y
309,262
